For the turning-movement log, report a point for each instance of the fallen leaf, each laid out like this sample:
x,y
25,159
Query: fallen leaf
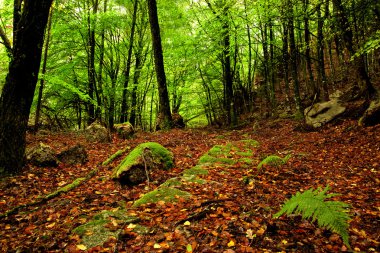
x,y
157,246
231,244
81,247
187,223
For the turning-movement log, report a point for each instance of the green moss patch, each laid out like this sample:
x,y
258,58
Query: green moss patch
x,y
273,160
197,170
166,194
99,230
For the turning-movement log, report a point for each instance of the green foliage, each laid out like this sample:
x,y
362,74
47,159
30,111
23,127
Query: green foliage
x,y
372,44
274,160
311,204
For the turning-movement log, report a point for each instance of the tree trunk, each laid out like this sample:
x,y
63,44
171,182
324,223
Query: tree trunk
x,y
20,84
123,113
293,62
321,56
314,88
164,119
43,71
91,62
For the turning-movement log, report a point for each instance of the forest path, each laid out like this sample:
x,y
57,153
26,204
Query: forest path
x,y
237,216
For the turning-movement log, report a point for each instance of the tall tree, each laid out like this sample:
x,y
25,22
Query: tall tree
x,y
20,84
164,119
123,116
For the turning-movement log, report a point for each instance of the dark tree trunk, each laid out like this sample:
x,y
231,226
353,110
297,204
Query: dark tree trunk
x,y
43,71
314,88
123,113
321,56
136,78
20,84
164,119
91,62
293,62
285,57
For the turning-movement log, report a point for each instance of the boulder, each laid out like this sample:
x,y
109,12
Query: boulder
x,y
74,155
97,133
322,113
124,130
178,121
42,155
371,116
141,161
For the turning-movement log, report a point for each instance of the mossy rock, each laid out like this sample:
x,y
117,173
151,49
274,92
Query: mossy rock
x,y
99,230
124,130
166,194
142,160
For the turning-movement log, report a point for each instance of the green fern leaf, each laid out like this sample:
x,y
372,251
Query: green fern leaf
x,y
312,205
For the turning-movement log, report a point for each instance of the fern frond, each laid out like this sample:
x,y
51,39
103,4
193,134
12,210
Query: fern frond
x,y
311,204
273,160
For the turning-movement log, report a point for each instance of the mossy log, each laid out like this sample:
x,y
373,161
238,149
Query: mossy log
x,y
137,165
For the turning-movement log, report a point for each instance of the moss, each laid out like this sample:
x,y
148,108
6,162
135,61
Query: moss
x,y
250,143
273,160
244,153
207,159
160,153
161,194
96,232
246,160
66,188
193,179
114,156
197,170
175,181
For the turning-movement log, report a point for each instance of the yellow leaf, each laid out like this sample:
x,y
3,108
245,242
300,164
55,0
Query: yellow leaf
x,y
187,223
284,242
231,244
51,225
157,246
7,227
81,247
131,226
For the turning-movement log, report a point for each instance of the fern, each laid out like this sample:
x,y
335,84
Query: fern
x,y
329,214
273,160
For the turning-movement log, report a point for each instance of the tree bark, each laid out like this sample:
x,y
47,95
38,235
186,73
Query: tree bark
x,y
43,71
20,84
123,116
164,119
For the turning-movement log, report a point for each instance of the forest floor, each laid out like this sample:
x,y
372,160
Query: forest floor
x,y
239,215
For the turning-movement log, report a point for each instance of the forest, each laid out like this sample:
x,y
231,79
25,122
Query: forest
x,y
189,126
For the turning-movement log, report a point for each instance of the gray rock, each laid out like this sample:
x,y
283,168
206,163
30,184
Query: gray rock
x,y
322,113
97,133
42,155
74,155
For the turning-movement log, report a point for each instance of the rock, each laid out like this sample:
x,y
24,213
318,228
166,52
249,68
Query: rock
x,y
371,116
178,121
42,155
322,113
74,155
97,133
145,158
124,130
